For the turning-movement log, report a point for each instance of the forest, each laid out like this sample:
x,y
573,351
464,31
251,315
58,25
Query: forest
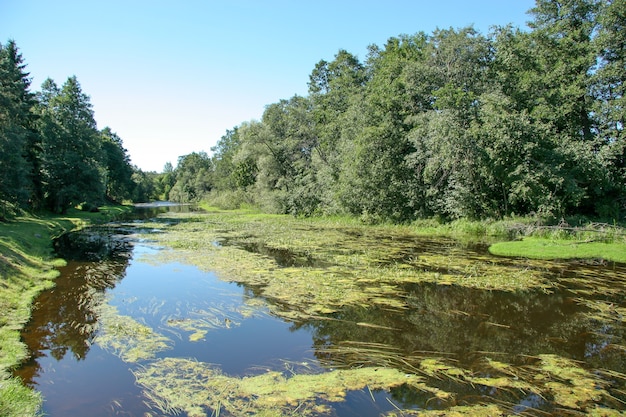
x,y
452,124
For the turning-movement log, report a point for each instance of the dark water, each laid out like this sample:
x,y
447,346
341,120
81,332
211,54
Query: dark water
x,y
78,378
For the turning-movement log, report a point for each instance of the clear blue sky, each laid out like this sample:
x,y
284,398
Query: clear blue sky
x,y
170,77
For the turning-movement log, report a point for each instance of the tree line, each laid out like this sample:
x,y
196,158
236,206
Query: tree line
x,y
52,156
451,124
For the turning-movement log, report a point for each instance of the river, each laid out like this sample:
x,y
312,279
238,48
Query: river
x,y
86,357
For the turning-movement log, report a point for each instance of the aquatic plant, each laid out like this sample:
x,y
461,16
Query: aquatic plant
x,y
316,271
199,388
127,338
318,268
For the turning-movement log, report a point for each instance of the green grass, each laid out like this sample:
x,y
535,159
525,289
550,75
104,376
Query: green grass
x,y
546,248
27,267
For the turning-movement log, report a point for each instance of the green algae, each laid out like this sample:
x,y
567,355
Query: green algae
x,y
457,411
199,389
318,268
126,337
204,320
180,385
315,270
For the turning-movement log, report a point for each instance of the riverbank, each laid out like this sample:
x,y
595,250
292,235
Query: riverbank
x,y
27,267
532,239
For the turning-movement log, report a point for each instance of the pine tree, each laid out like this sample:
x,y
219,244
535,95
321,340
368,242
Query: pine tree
x,y
16,118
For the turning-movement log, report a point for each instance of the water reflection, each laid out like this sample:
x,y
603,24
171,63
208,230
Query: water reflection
x,y
64,319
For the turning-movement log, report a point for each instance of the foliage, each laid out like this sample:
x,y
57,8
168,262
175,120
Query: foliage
x,y
192,178
71,149
52,154
453,124
16,124
118,169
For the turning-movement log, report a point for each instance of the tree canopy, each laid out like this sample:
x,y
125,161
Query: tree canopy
x,y
453,124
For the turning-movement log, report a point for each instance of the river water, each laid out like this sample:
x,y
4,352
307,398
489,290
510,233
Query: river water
x,y
212,321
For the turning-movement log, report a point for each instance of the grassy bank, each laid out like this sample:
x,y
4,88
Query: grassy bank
x,y
27,266
533,239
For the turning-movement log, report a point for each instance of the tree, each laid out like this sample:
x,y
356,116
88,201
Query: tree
x,y
610,104
334,88
118,169
71,147
16,128
563,31
447,161
376,180
193,177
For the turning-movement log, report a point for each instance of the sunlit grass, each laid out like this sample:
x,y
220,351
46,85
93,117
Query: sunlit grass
x,y
545,248
18,400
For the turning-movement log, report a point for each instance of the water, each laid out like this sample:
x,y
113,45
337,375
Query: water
x,y
230,326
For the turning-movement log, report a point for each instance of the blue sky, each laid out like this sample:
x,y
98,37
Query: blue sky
x,y
170,77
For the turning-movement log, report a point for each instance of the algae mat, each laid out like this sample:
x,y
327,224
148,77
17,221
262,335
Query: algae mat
x,y
319,267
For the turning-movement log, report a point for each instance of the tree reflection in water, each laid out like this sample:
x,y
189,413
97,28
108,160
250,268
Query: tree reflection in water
x,y
64,319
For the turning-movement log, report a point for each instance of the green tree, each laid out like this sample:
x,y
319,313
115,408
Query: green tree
x,y
118,169
16,129
230,170
448,163
334,89
562,32
166,180
71,147
193,178
610,104
375,179
144,189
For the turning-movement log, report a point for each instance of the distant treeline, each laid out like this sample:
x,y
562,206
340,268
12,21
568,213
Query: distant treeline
x,y
452,124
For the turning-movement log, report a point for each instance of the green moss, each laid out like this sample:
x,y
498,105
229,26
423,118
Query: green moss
x,y
543,248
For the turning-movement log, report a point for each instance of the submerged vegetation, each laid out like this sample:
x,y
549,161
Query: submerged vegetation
x,y
200,389
127,338
331,276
